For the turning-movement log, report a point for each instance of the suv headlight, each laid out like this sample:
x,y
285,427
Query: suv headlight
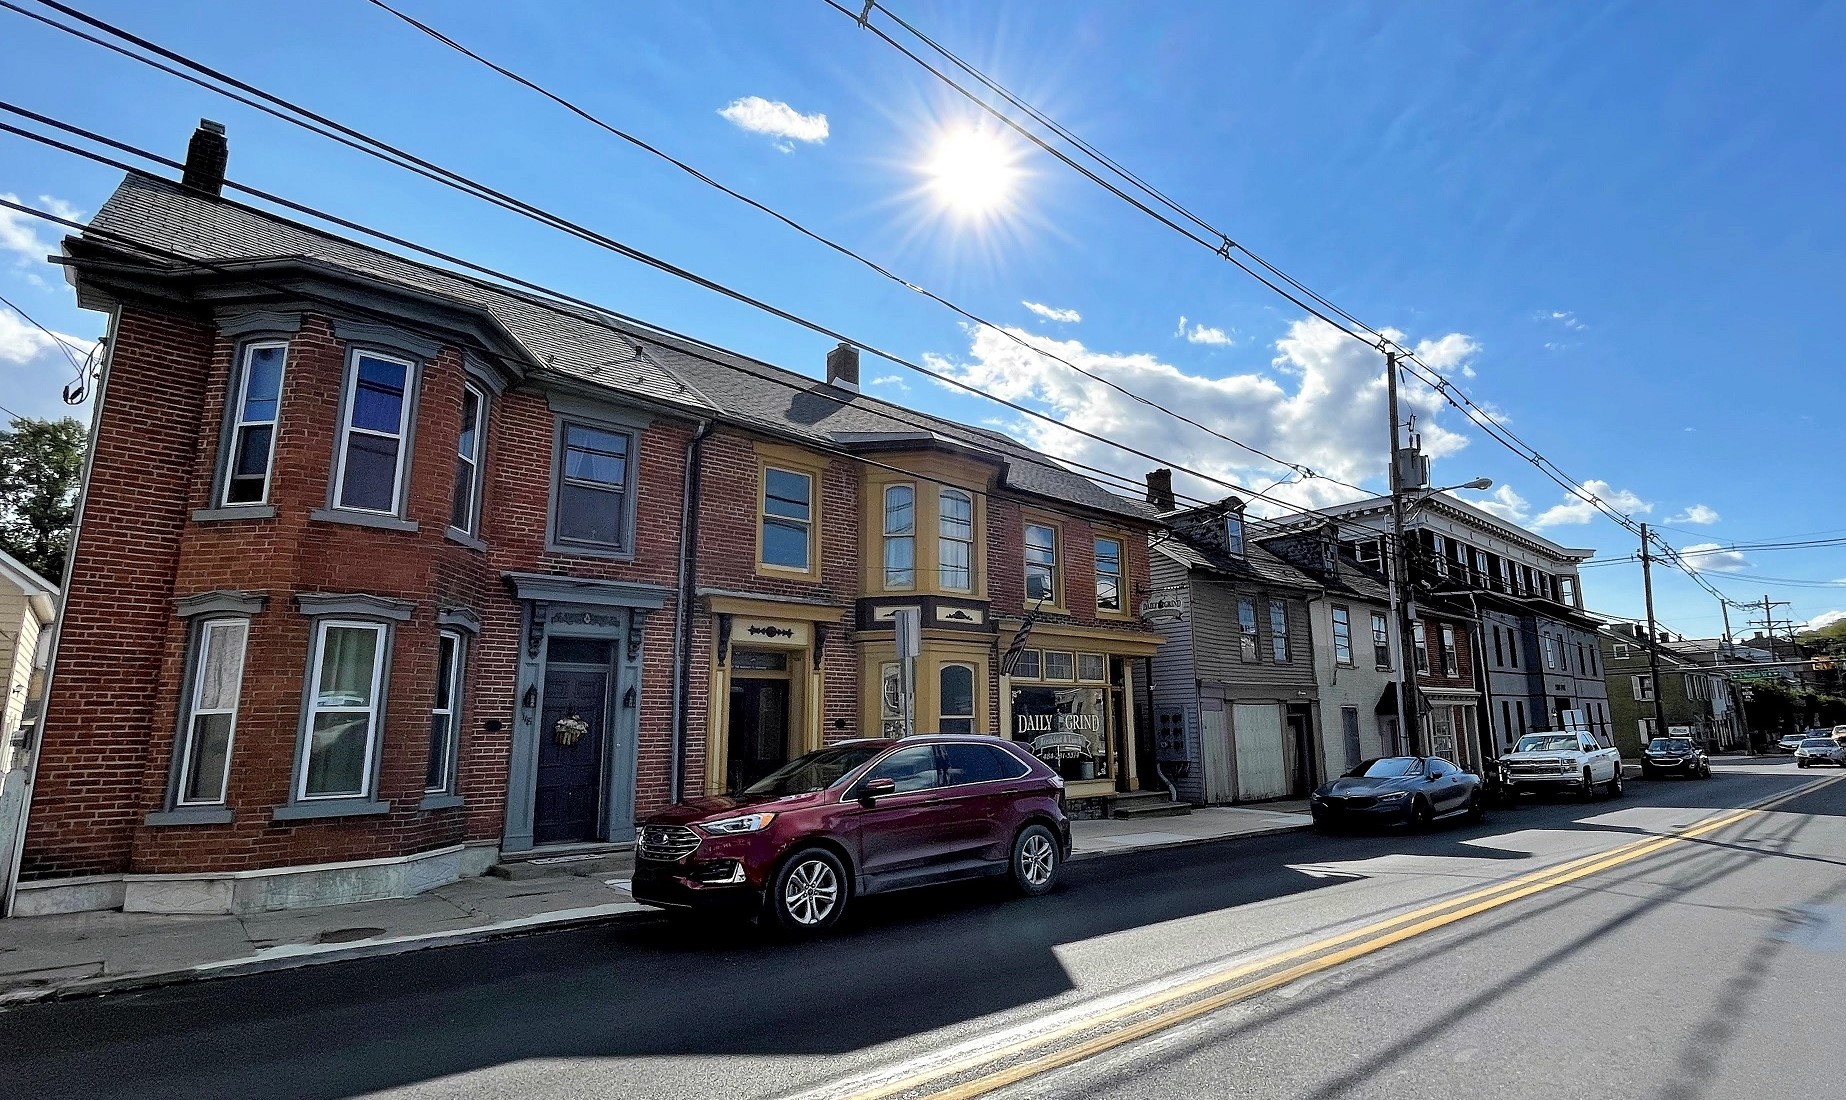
x,y
731,826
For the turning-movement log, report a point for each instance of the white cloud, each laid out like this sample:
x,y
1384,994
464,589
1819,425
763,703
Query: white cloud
x,y
21,234
1576,510
1201,333
1825,618
895,381
1710,557
1052,313
777,119
1321,403
1505,503
1563,317
1698,515
21,343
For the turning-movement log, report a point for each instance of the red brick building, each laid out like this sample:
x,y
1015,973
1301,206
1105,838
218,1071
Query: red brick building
x,y
383,572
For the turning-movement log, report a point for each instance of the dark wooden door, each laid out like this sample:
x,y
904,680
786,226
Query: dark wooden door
x,y
759,730
569,795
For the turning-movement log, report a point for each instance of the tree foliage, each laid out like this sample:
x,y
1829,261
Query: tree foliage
x,y
41,463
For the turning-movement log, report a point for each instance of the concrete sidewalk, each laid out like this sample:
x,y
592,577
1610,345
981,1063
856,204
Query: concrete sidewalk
x,y
82,953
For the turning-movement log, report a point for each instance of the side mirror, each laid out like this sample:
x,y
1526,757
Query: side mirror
x,y
873,789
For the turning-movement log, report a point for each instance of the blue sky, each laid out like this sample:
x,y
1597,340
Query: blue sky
x,y
1618,225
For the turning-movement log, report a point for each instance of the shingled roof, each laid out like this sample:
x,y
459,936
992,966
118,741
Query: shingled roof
x,y
587,345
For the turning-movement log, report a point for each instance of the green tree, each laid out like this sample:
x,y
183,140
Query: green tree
x,y
41,463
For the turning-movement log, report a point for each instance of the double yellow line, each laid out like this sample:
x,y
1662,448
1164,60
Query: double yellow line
x,y
1169,1007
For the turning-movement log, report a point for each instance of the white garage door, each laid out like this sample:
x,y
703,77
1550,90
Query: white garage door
x,y
1262,766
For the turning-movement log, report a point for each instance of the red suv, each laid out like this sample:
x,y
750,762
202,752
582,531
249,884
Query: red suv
x,y
861,817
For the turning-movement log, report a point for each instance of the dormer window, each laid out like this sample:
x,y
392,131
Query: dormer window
x,y
1233,533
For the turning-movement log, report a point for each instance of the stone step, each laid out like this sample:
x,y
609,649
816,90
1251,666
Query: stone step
x,y
1148,804
580,864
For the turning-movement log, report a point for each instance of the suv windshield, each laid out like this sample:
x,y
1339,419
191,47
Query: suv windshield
x,y
1547,742
1391,767
1669,744
814,772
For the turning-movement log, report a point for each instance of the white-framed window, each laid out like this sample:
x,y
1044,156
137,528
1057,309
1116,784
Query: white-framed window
x,y
211,712
1554,652
1030,665
1644,687
343,704
370,477
1233,534
955,540
1647,729
1438,554
1041,563
445,714
788,519
1342,635
1108,574
956,699
1381,641
1567,589
890,699
1278,631
592,490
465,501
900,533
253,427
1450,654
1419,640
1620,651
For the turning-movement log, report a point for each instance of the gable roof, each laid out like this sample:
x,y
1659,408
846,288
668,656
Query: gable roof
x,y
587,345
39,592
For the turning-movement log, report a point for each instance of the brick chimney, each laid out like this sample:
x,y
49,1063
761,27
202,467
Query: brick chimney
x,y
206,157
843,367
1160,490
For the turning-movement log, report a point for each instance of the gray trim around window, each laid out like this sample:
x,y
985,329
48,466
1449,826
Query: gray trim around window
x,y
258,322
601,414
331,807
363,519
298,808
353,605
463,538
459,618
190,815
395,519
444,801
483,372
385,337
550,588
620,551
221,601
234,512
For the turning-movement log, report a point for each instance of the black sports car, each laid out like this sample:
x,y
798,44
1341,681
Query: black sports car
x,y
1398,790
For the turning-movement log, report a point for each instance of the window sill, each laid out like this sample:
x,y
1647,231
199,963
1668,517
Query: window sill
x,y
190,815
234,512
309,811
440,802
457,535
362,519
786,572
604,553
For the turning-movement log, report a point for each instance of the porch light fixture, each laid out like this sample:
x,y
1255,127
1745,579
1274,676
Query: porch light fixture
x,y
530,698
628,698
637,621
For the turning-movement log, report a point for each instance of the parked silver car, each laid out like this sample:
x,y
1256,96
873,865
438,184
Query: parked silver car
x,y
1791,741
1820,750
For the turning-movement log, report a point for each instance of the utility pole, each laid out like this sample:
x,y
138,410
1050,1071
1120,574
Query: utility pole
x,y
1399,578
1653,636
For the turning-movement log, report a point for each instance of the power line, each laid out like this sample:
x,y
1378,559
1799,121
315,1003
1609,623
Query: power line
x,y
966,314
1227,248
358,140
57,341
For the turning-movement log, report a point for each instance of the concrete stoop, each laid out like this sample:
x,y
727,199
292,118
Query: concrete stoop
x,y
582,861
1147,804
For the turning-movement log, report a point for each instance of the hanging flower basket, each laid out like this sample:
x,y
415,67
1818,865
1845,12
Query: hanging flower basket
x,y
569,730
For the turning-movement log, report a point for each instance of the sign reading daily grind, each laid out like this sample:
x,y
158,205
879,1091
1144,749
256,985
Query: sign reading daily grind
x,y
1064,726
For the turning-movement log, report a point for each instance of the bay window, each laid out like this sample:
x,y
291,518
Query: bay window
x,y
955,541
900,535
444,715
342,725
257,404
211,712
370,472
465,498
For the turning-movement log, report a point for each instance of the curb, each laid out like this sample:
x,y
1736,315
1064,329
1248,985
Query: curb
x,y
299,956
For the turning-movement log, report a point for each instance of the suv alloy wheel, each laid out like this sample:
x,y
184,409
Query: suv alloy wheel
x,y
1036,861
809,893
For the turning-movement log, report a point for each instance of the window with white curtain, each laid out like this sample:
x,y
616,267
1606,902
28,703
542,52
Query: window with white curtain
x,y
211,712
342,728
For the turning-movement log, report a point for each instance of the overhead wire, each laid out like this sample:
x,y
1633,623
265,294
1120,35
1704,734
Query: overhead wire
x,y
283,109
1296,292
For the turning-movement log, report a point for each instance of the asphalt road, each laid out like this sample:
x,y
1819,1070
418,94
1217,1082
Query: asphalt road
x,y
1692,967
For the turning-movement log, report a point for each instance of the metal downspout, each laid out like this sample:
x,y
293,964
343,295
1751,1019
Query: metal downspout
x,y
682,610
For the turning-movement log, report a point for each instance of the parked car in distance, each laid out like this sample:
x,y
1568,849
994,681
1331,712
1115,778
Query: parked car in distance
x,y
1791,741
1563,760
1820,750
1674,756
858,818
1398,790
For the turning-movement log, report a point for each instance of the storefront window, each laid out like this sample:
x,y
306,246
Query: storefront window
x,y
891,700
956,699
1065,727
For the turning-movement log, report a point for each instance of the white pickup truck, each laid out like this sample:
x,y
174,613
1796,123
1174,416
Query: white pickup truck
x,y
1566,760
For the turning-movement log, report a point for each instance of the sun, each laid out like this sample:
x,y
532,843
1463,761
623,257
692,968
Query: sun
x,y
973,172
